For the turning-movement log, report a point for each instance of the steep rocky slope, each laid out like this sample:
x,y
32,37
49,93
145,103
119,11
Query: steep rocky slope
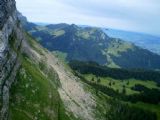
x,y
76,99
11,37
34,84
79,103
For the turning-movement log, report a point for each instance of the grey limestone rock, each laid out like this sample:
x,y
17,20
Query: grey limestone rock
x,y
11,35
6,9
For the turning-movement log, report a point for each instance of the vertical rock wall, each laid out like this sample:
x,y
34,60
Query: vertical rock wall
x,y
11,36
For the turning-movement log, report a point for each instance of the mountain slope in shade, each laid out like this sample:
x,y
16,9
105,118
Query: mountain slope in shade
x,y
145,41
93,44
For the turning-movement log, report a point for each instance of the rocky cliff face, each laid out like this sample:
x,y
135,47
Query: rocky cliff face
x,y
7,8
11,36
13,42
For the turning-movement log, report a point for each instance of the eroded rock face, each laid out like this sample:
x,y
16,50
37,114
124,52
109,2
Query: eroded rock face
x,y
6,9
11,36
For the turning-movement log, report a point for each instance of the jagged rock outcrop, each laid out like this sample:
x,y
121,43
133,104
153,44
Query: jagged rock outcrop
x,y
7,7
11,36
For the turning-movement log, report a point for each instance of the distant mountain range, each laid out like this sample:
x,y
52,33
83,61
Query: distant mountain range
x,y
92,44
145,41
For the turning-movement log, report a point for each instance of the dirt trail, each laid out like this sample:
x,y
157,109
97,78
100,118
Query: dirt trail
x,y
75,98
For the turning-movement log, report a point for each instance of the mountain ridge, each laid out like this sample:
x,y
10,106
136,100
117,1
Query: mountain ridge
x,y
93,44
143,40
146,41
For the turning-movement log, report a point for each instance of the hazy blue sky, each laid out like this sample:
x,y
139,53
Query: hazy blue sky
x,y
134,15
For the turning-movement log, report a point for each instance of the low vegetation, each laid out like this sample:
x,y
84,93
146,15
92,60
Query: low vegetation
x,y
34,96
133,88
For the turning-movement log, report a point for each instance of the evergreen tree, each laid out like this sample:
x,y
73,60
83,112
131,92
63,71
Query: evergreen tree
x,y
92,79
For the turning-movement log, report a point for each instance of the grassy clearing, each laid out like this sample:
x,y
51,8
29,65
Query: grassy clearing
x,y
86,34
118,84
151,107
102,99
115,49
58,33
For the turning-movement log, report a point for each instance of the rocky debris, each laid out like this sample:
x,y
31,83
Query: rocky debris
x,y
76,99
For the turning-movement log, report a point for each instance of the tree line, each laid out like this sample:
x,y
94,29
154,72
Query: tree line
x,y
116,73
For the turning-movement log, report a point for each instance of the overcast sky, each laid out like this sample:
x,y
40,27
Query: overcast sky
x,y
134,15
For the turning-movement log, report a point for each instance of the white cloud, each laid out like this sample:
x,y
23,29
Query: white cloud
x,y
136,15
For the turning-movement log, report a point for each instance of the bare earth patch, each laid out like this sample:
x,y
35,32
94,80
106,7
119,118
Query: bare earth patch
x,y
76,99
